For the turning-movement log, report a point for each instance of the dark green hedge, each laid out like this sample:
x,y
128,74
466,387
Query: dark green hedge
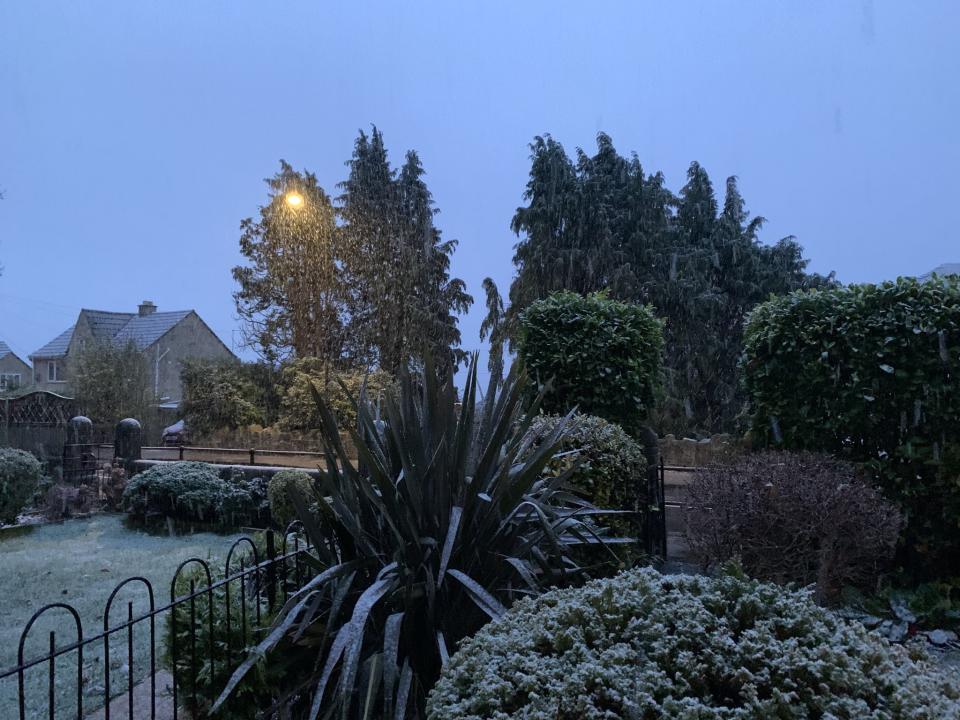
x,y
870,373
602,356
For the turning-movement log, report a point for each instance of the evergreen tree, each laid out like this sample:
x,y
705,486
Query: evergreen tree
x,y
602,224
493,327
403,302
291,298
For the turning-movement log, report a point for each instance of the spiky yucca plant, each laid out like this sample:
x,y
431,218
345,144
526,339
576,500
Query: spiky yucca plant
x,y
447,520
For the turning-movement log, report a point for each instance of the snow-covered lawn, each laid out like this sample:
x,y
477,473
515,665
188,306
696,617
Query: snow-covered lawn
x,y
79,562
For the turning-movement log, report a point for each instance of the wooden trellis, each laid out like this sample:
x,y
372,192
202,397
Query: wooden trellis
x,y
40,408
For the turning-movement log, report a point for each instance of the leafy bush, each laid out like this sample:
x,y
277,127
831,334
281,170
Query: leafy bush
x,y
190,491
450,520
602,356
792,517
196,677
870,373
218,394
298,408
20,474
644,645
281,506
609,467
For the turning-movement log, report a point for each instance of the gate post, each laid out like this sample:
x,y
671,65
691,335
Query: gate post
x,y
655,511
127,442
79,465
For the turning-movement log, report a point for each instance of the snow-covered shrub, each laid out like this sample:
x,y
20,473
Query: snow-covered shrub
x,y
792,517
20,474
189,491
611,465
645,645
281,507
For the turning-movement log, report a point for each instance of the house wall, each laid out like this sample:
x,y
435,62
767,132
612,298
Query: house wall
x,y
40,376
10,363
82,335
191,338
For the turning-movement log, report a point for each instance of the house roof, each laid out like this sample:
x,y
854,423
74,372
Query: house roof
x,y
941,270
145,330
57,347
5,350
119,328
105,325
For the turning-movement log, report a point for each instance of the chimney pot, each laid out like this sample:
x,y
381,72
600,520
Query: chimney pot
x,y
146,308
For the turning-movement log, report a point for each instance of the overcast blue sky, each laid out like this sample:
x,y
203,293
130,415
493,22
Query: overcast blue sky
x,y
134,136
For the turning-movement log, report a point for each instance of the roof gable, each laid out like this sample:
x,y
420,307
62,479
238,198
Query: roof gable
x,y
105,325
57,347
144,330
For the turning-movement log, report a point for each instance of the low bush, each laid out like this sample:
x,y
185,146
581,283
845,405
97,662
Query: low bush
x,y
792,517
20,475
610,467
644,645
198,681
190,491
600,355
278,491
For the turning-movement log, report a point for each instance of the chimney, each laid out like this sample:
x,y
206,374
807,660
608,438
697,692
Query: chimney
x,y
146,308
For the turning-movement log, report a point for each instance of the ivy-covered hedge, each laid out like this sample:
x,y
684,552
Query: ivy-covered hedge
x,y
870,373
191,491
20,475
645,645
602,356
611,466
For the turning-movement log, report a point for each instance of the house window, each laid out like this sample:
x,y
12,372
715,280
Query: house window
x,y
53,371
9,381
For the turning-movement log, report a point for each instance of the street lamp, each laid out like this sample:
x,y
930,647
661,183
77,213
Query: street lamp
x,y
294,199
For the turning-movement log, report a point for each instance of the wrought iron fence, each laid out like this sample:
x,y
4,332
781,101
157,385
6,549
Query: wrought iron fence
x,y
251,588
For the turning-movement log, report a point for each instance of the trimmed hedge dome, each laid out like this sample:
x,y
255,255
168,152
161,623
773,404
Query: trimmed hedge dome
x,y
644,645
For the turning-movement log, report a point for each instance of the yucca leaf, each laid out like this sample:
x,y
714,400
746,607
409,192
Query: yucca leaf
x,y
391,646
483,600
403,691
275,635
453,528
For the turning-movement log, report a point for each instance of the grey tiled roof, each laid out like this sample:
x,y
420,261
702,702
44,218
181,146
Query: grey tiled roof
x,y
56,347
146,330
4,349
105,325
120,328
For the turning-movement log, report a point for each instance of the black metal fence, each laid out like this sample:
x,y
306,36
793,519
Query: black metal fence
x,y
203,631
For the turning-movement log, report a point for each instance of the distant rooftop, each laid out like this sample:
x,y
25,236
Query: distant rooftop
x,y
5,350
56,347
142,328
941,270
